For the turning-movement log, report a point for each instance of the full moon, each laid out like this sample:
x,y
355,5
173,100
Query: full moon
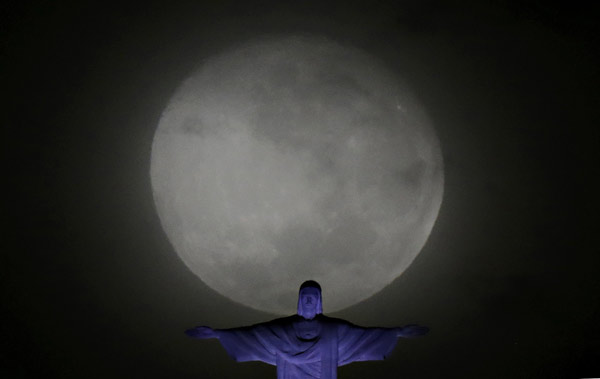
x,y
295,158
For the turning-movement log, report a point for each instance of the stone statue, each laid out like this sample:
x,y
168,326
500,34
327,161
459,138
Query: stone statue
x,y
309,344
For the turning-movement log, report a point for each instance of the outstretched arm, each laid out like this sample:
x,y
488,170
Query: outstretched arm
x,y
202,332
247,343
412,330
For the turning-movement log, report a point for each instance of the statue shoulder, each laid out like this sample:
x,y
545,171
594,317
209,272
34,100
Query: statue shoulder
x,y
332,320
288,320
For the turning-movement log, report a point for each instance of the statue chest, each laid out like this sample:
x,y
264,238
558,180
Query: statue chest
x,y
307,329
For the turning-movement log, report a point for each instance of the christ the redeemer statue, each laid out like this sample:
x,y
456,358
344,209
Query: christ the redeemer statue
x,y
309,344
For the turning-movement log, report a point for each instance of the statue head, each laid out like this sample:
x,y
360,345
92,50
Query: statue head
x,y
309,300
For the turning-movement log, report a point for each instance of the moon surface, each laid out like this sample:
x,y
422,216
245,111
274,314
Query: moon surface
x,y
295,158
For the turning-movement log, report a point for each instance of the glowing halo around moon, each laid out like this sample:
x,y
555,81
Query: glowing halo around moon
x,y
295,158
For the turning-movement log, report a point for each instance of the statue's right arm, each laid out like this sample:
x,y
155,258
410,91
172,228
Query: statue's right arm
x,y
202,332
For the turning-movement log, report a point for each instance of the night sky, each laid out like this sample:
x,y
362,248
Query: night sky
x,y
507,282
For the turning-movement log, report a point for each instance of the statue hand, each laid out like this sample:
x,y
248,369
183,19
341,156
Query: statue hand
x,y
409,331
201,332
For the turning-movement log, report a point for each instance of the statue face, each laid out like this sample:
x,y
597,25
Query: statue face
x,y
309,298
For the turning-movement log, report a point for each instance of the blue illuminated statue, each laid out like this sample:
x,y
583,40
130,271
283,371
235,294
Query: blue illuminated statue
x,y
309,344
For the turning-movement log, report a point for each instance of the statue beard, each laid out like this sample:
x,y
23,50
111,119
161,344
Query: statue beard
x,y
308,314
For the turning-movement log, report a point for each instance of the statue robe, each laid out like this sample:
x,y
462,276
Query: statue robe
x,y
303,349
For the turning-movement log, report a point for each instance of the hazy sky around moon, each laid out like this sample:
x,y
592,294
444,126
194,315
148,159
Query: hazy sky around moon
x,y
296,158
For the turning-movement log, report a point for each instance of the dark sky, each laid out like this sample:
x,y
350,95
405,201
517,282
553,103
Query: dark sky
x,y
91,287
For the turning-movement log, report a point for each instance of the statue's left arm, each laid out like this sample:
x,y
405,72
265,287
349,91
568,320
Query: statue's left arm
x,y
356,343
410,331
